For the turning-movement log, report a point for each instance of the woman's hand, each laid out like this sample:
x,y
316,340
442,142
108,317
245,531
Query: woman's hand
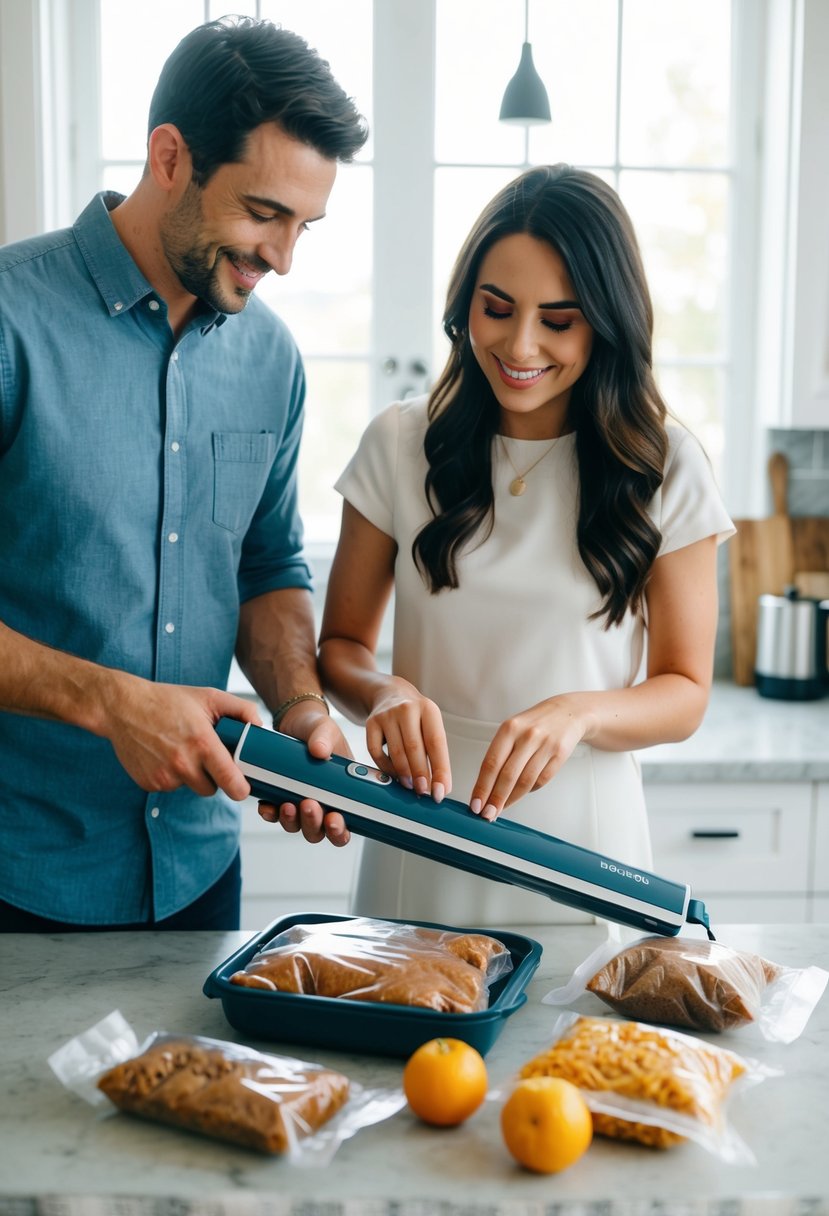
x,y
527,752
405,738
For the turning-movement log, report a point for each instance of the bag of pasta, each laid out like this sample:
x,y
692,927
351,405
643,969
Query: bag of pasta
x,y
701,985
223,1090
654,1086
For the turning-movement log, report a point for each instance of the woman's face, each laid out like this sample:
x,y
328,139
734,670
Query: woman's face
x,y
529,335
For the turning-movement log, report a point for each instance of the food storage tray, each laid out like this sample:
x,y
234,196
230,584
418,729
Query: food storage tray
x,y
377,1028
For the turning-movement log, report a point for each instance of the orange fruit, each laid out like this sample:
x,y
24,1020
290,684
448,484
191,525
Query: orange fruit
x,y
445,1081
546,1124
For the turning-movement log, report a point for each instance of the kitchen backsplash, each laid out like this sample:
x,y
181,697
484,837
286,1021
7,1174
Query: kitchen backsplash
x,y
808,453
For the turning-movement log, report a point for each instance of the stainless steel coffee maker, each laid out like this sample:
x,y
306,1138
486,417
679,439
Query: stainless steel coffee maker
x,y
791,661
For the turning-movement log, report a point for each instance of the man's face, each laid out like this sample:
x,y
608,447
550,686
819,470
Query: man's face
x,y
222,238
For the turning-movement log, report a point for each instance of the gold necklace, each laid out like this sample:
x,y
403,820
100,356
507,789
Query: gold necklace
x,y
519,483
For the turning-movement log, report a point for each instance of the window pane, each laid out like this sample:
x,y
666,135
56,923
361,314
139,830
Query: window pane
x,y
218,8
477,48
326,298
696,397
342,33
676,65
681,221
460,196
135,41
123,178
336,414
574,51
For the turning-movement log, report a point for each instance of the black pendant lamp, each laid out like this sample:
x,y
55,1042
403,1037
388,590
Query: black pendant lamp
x,y
525,99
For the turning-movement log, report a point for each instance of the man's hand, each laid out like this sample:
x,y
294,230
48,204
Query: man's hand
x,y
163,735
307,721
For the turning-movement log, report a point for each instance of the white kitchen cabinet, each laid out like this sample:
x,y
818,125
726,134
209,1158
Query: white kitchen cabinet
x,y
282,872
745,848
755,909
820,854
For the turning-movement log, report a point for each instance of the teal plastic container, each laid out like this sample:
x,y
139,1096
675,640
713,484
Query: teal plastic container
x,y
367,1027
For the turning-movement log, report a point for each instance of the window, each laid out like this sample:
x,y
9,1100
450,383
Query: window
x,y
642,94
653,97
326,299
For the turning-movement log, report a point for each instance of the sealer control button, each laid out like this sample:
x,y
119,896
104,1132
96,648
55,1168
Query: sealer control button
x,y
364,773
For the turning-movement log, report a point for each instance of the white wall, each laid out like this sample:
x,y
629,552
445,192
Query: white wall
x,y
21,179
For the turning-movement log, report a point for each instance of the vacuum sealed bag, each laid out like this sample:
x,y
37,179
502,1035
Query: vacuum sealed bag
x,y
654,1086
701,985
362,959
273,1104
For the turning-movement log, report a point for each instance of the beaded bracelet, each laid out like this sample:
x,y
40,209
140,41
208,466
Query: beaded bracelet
x,y
292,701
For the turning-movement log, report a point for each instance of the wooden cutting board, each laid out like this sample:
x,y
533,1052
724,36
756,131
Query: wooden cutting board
x,y
760,560
810,535
764,557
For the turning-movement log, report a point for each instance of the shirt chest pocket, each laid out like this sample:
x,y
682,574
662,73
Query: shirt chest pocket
x,y
241,463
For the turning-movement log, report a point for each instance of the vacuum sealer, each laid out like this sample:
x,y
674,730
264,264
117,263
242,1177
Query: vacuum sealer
x,y
279,768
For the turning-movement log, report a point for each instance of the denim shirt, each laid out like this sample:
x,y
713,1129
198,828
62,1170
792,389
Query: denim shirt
x,y
147,487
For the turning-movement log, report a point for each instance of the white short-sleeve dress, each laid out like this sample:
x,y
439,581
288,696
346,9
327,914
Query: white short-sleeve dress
x,y
516,631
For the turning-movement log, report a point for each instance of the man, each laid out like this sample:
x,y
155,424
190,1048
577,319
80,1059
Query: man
x,y
150,414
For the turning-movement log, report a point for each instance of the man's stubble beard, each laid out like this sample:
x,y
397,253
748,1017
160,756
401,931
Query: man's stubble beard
x,y
190,261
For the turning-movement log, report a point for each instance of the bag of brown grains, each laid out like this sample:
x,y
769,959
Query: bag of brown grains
x,y
701,985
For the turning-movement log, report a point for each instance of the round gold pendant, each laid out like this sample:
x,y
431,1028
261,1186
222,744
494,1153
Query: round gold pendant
x,y
517,487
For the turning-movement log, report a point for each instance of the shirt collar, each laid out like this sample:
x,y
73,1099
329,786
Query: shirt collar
x,y
115,274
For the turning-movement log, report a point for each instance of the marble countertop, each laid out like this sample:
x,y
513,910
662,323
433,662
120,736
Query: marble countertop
x,y
58,1158
746,737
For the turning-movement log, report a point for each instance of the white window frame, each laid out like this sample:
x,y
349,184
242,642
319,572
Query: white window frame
x,y
49,166
744,439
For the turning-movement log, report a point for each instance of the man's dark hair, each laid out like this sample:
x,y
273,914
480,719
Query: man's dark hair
x,y
229,76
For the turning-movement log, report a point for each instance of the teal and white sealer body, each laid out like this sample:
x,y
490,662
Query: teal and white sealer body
x,y
373,804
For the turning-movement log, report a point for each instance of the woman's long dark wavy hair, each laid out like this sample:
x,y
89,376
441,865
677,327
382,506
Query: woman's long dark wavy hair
x,y
615,407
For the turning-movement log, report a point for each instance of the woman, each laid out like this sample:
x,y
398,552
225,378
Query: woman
x,y
538,520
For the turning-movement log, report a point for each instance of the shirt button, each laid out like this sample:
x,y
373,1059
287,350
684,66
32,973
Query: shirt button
x,y
169,627
118,305
174,446
155,812
173,537
174,356
154,305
